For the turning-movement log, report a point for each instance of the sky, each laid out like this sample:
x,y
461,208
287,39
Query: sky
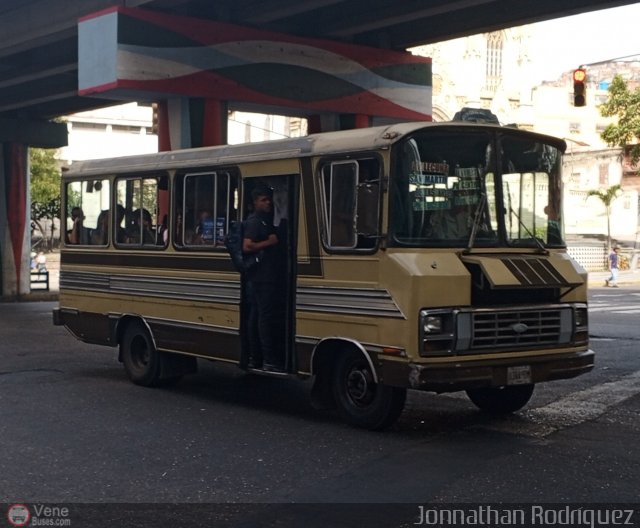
x,y
566,43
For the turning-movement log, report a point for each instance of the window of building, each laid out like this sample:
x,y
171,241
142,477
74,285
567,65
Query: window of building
x,y
141,212
495,44
206,205
604,173
574,127
351,203
87,215
575,178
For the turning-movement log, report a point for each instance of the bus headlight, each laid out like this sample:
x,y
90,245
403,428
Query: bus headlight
x,y
580,324
436,332
431,324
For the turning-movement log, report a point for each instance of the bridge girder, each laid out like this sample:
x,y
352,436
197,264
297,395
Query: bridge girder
x,y
39,44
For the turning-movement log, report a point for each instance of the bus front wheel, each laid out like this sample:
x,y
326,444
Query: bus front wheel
x,y
142,362
501,400
360,401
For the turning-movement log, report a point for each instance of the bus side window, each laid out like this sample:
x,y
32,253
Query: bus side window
x,y
140,203
351,193
206,203
85,201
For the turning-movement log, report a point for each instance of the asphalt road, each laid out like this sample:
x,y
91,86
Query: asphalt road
x,y
73,429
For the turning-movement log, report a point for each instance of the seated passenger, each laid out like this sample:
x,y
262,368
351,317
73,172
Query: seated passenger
x,y
162,238
78,234
206,228
142,231
454,223
121,233
99,234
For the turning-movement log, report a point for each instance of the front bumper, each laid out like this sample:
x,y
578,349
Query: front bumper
x,y
463,375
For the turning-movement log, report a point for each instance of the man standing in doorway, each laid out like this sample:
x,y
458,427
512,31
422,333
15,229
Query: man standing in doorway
x,y
260,238
614,259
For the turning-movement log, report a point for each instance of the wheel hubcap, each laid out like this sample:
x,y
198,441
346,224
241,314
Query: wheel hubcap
x,y
360,386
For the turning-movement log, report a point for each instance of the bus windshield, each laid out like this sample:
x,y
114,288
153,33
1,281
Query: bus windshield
x,y
463,188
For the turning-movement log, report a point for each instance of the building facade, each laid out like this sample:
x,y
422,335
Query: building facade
x,y
493,71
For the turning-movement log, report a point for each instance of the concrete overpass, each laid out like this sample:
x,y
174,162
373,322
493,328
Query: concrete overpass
x,y
41,47
39,38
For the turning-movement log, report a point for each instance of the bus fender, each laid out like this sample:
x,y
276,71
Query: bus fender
x,y
329,347
172,366
323,358
120,326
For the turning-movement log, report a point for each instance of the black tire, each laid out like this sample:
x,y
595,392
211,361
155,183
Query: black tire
x,y
142,362
360,401
501,400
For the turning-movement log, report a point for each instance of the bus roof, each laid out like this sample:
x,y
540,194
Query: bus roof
x,y
327,143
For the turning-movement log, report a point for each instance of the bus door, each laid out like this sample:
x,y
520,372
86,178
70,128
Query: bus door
x,y
281,322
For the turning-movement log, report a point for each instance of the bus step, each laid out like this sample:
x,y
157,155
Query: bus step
x,y
268,373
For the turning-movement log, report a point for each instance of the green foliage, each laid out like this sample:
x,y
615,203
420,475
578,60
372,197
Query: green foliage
x,y
45,175
49,210
45,187
606,196
623,104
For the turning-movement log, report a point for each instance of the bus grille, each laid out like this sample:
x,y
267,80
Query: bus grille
x,y
517,328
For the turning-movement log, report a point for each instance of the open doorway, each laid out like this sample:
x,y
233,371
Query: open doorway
x,y
267,325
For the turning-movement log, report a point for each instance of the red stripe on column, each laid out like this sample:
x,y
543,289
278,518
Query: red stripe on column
x,y
314,124
16,201
362,121
215,119
164,138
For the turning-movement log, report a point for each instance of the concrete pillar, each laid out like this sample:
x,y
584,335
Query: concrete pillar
x,y
15,219
362,121
190,122
314,124
164,141
327,123
214,125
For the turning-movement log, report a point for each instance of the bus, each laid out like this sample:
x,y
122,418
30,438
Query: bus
x,y
423,256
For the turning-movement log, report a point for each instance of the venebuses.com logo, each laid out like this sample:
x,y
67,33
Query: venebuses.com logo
x,y
18,515
38,515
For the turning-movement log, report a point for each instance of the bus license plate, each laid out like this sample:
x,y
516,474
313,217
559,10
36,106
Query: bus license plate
x,y
519,375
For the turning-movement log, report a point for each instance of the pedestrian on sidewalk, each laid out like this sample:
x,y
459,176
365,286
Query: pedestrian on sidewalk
x,y
613,267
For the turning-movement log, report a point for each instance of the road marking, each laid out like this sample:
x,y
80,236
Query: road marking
x,y
574,409
599,307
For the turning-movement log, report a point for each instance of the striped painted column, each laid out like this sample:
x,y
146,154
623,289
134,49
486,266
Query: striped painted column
x,y
14,219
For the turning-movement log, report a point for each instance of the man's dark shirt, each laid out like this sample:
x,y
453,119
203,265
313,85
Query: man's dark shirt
x,y
257,228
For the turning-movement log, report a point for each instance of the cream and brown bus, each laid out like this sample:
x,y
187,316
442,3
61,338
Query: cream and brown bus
x,y
426,256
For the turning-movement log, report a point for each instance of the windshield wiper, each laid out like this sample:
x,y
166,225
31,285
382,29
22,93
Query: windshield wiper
x,y
476,222
537,241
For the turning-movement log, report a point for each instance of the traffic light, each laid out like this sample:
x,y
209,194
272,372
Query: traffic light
x,y
579,87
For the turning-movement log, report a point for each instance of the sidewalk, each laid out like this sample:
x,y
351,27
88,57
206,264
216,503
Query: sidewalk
x,y
625,278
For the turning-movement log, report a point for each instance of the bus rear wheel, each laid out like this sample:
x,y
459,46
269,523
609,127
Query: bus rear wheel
x,y
142,362
501,400
360,401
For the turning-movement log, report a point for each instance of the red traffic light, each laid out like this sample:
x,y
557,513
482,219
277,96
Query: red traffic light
x,y
579,75
579,87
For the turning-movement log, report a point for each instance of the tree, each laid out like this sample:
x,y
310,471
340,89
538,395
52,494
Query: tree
x,y
45,189
607,196
625,105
